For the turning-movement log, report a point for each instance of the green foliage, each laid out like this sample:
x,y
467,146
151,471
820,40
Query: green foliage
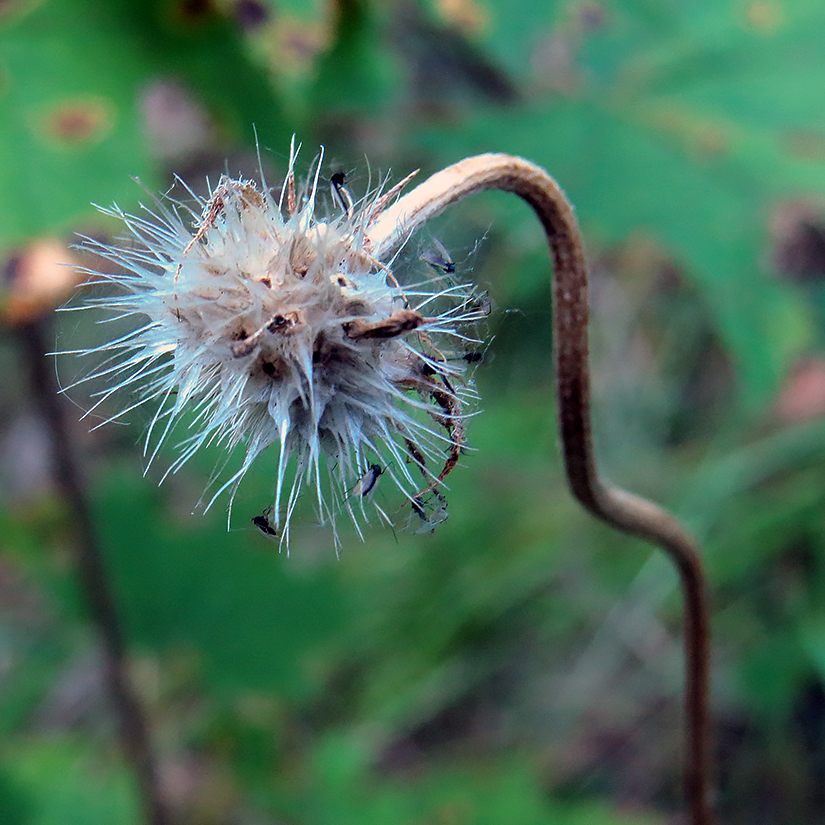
x,y
340,788
684,126
63,783
72,74
251,620
521,664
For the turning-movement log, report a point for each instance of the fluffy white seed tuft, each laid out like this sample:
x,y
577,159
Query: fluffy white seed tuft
x,y
265,324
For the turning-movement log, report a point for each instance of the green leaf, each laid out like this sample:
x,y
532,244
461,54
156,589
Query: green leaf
x,y
341,788
69,127
60,782
72,73
251,618
690,137
354,78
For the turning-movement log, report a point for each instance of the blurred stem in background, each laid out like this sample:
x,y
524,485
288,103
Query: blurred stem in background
x,y
131,722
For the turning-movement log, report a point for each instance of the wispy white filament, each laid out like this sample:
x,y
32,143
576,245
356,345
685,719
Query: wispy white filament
x,y
264,324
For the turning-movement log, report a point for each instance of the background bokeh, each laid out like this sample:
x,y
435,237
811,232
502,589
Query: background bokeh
x,y
523,663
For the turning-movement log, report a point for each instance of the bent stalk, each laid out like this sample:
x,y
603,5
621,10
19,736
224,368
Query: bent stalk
x,y
623,510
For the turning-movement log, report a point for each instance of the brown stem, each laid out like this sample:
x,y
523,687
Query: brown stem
x,y
621,509
132,726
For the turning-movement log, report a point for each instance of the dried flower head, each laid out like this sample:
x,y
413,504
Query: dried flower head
x,y
265,324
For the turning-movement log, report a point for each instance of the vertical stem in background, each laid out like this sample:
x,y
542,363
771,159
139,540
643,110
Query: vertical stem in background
x,y
132,727
622,510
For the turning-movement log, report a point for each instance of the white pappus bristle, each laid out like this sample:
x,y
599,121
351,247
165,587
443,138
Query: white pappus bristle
x,y
265,324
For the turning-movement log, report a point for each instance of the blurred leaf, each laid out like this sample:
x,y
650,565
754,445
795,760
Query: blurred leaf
x,y
812,638
342,789
354,78
69,128
251,617
71,77
683,124
688,137
772,672
15,808
61,782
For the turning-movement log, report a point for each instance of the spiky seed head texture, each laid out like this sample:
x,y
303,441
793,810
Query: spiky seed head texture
x,y
265,324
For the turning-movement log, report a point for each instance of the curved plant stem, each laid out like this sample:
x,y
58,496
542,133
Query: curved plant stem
x,y
132,727
621,509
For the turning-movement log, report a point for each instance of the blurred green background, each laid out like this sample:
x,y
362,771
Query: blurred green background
x,y
522,664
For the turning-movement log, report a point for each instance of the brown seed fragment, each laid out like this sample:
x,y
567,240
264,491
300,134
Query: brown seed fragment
x,y
405,320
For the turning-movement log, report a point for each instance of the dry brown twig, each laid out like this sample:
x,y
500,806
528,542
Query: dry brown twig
x,y
623,510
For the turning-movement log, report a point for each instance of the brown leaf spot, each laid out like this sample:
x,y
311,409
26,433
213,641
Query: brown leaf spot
x,y
193,11
80,121
296,43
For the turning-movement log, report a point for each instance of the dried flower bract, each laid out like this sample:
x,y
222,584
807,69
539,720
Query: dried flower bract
x,y
262,323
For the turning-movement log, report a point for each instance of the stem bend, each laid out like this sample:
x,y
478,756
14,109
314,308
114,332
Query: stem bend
x,y
622,510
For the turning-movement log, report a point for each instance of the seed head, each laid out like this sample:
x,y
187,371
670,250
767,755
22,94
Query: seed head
x,y
265,324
